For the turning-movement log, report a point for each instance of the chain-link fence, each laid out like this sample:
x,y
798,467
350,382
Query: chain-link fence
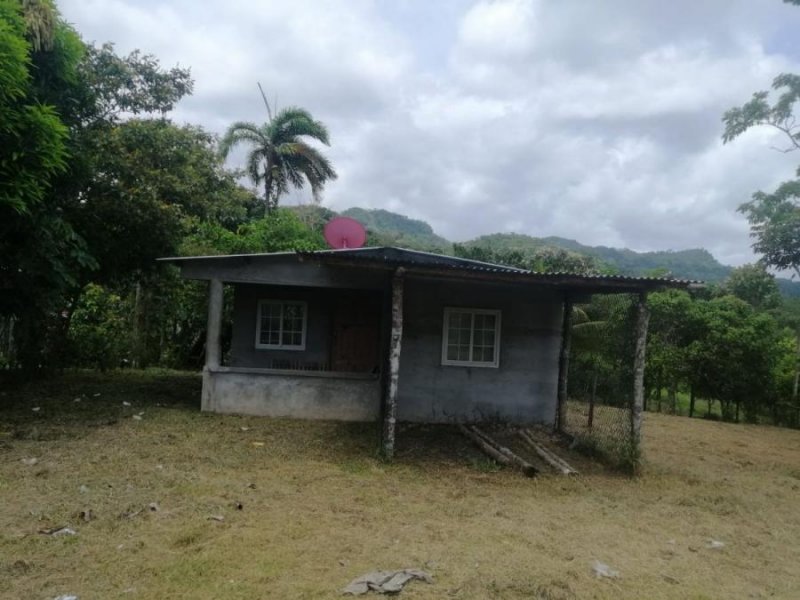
x,y
600,381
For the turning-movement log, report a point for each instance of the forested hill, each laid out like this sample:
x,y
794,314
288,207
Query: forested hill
x,y
690,264
398,230
388,228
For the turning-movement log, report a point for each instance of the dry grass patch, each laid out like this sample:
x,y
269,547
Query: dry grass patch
x,y
318,508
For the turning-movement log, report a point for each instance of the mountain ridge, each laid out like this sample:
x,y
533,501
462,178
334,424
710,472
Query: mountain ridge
x,y
387,228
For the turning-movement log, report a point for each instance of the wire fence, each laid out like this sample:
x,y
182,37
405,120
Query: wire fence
x,y
600,380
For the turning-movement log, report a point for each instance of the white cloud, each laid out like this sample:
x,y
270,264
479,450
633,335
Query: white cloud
x,y
597,121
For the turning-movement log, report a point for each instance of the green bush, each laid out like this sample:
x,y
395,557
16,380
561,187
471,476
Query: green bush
x,y
99,334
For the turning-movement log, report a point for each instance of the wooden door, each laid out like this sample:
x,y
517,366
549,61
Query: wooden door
x,y
356,335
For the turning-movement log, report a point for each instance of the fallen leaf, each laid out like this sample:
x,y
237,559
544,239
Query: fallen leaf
x,y
29,461
257,444
219,518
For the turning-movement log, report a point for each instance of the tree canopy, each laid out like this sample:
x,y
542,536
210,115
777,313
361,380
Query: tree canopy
x,y
279,157
774,217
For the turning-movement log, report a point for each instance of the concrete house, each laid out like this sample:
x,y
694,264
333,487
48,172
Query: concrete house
x,y
394,334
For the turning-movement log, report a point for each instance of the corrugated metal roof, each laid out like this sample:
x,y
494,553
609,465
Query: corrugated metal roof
x,y
414,258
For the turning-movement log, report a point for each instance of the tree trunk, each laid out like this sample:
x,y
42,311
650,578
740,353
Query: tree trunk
x,y
673,397
691,401
547,455
736,417
137,326
10,340
268,181
563,366
395,344
592,399
527,468
487,448
796,377
642,319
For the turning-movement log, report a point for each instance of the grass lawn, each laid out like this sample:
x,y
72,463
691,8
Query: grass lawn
x,y
318,509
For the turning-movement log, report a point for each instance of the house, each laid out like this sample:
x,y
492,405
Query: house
x,y
394,334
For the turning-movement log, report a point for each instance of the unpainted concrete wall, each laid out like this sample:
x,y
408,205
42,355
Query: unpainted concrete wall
x,y
522,389
321,303
288,394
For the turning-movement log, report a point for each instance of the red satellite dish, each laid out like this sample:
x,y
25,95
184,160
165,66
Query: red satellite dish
x,y
344,232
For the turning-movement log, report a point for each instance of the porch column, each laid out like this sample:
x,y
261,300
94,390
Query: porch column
x,y
637,404
563,365
395,342
214,323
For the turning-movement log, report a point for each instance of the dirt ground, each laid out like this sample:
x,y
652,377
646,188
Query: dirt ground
x,y
307,507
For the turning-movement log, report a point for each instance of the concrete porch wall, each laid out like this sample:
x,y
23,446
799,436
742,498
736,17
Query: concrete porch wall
x,y
296,394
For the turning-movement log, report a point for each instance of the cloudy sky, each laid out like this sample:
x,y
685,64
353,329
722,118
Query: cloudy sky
x,y
598,121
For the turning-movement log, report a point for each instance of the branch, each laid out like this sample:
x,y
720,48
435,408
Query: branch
x,y
787,129
782,150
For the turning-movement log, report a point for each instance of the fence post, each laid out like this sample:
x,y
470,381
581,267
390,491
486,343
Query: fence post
x,y
642,320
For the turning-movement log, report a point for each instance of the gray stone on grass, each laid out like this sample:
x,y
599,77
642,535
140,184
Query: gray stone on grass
x,y
602,570
385,582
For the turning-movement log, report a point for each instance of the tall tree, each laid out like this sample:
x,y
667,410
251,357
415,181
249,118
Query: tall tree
x,y
32,137
279,156
774,217
78,96
754,285
732,356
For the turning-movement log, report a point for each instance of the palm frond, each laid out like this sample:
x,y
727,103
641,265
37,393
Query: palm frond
x,y
294,174
240,132
304,152
255,165
291,122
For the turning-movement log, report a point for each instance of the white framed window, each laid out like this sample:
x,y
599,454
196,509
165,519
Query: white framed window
x,y
471,337
281,325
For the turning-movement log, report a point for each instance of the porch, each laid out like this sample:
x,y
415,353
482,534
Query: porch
x,y
384,334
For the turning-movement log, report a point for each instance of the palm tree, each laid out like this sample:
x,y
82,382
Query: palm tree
x,y
41,22
279,157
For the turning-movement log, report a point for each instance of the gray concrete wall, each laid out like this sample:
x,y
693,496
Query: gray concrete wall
x,y
245,314
321,303
522,389
291,394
